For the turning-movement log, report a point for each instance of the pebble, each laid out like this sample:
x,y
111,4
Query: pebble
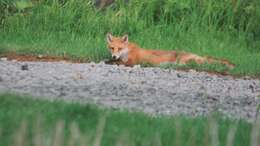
x,y
3,59
25,67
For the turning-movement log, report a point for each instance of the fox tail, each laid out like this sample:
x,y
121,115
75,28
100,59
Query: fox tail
x,y
221,61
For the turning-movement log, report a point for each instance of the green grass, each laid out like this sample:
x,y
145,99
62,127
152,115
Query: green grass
x,y
220,29
22,119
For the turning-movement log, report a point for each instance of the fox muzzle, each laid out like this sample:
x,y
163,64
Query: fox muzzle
x,y
115,57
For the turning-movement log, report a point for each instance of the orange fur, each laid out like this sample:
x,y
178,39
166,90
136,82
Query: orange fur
x,y
130,54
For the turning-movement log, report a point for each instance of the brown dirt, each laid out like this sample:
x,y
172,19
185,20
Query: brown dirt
x,y
39,58
47,58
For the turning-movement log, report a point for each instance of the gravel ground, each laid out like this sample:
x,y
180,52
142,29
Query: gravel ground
x,y
151,90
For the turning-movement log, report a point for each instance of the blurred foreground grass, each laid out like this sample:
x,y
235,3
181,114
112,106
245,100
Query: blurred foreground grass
x,y
27,121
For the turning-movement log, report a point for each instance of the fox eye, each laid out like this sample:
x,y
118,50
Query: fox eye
x,y
112,48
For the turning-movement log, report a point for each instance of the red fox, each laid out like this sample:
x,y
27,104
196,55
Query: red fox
x,y
130,54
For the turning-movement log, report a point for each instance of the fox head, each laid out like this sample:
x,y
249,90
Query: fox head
x,y
118,47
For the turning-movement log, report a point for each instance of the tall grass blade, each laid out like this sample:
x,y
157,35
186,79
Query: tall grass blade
x,y
58,139
75,135
231,135
37,132
100,130
255,134
191,140
206,140
178,130
214,132
157,140
20,136
0,133
123,140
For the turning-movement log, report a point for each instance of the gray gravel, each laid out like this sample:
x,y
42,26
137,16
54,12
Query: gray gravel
x,y
151,90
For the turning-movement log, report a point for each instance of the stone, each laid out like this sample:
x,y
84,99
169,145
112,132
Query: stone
x,y
25,67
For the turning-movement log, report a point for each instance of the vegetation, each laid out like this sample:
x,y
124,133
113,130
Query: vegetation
x,y
27,121
227,29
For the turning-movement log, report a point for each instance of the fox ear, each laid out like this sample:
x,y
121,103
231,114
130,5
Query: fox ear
x,y
125,38
109,37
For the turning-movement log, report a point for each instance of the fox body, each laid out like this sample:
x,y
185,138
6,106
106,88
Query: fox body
x,y
129,54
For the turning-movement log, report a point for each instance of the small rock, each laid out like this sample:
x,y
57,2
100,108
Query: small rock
x,y
25,67
3,59
121,66
92,64
64,61
101,63
251,87
212,98
247,77
137,66
40,56
192,71
78,76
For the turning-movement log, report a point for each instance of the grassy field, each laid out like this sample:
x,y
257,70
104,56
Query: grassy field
x,y
24,121
227,29
222,29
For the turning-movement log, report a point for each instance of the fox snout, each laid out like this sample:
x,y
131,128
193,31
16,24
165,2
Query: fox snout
x,y
121,55
115,57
